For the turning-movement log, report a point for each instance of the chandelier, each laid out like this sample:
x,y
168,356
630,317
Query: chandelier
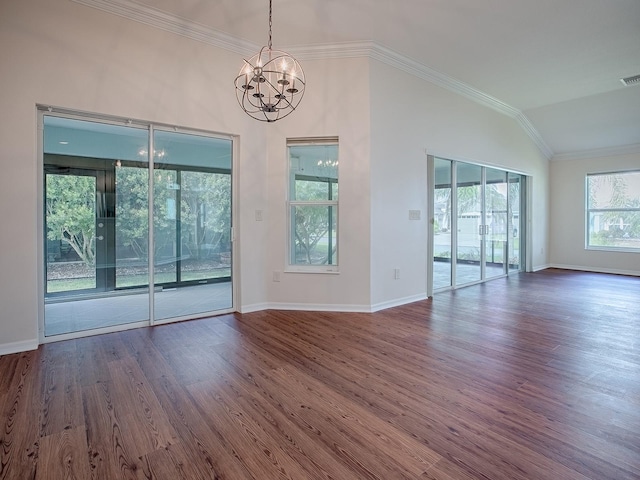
x,y
271,84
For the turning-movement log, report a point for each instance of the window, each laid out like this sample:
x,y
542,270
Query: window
x,y
613,211
313,204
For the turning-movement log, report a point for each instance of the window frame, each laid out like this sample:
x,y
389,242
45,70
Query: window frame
x,y
589,210
291,204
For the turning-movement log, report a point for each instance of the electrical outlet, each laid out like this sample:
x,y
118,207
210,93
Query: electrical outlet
x,y
414,214
396,274
258,215
276,276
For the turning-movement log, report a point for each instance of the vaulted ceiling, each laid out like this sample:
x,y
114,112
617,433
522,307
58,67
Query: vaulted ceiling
x,y
555,65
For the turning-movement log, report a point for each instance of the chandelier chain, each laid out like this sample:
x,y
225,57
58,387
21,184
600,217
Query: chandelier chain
x,y
270,24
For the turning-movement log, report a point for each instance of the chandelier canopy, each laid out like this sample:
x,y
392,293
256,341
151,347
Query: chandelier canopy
x,y
271,84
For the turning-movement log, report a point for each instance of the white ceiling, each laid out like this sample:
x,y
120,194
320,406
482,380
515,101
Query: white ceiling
x,y
557,62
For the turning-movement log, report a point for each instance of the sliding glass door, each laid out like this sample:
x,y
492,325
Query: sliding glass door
x,y
112,230
515,205
495,222
443,232
469,222
477,223
192,224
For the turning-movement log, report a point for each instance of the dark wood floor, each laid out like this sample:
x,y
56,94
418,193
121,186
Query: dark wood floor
x,y
532,377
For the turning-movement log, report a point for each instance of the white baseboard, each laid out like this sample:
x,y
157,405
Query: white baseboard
x,y
633,273
256,307
310,307
319,307
17,347
397,302
541,267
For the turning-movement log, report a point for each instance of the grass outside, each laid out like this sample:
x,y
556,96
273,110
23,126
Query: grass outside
x,y
71,284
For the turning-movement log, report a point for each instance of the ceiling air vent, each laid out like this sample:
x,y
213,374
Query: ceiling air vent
x,y
628,81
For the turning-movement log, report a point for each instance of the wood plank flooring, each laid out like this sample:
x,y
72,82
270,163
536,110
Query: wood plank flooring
x,y
535,376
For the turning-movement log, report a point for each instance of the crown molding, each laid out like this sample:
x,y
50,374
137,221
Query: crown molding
x,y
530,130
633,149
331,50
156,18
406,64
173,24
412,67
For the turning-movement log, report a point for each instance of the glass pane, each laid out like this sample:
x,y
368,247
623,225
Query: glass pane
x,y
314,172
315,228
192,224
132,226
513,217
205,229
469,217
104,224
616,199
165,223
614,229
496,221
85,139
314,190
70,210
616,190
442,225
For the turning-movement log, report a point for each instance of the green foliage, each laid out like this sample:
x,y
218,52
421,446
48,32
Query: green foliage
x,y
132,215
315,224
205,214
70,210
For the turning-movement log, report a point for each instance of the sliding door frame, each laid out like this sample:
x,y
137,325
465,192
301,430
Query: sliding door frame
x,y
523,224
149,127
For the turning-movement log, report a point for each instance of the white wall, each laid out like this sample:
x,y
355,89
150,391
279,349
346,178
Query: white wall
x,y
567,233
60,53
411,116
63,54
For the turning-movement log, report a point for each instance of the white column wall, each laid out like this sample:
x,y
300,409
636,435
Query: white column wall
x,y
60,53
568,216
336,103
409,117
